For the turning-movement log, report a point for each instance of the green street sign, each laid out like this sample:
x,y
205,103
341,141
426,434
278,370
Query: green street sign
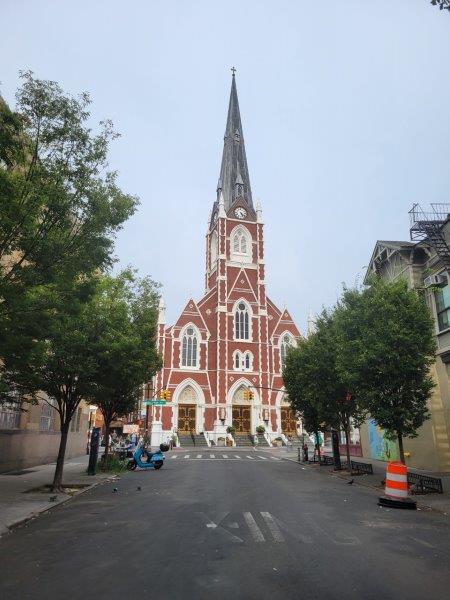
x,y
154,402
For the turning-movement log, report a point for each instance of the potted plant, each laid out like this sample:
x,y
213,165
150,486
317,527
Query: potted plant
x,y
231,429
277,442
260,429
221,441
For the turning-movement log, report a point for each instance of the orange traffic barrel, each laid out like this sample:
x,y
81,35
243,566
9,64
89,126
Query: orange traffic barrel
x,y
396,487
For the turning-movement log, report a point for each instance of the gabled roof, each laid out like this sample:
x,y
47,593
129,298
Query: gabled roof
x,y
388,247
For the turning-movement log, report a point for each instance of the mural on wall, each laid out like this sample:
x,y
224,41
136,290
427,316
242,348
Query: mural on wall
x,y
380,447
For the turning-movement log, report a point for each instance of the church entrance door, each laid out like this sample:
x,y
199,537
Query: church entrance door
x,y
288,421
241,418
186,418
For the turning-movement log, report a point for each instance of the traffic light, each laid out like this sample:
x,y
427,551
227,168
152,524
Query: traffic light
x,y
165,395
248,395
168,394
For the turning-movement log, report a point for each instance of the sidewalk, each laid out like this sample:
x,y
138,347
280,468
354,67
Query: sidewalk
x,y
439,502
18,504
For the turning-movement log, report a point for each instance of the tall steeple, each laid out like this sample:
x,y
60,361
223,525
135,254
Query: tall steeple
x,y
234,181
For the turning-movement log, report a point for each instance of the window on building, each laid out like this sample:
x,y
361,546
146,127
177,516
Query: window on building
x,y
241,320
237,360
240,242
10,416
189,349
286,343
247,361
442,297
214,249
47,421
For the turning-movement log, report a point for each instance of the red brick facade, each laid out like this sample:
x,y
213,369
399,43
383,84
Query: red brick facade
x,y
201,368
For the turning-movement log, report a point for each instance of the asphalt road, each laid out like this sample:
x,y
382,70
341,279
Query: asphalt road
x,y
231,528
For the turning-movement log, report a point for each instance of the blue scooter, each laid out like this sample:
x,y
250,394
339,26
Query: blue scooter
x,y
147,460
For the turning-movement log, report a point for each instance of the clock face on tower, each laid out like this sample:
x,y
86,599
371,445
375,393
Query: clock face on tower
x,y
240,212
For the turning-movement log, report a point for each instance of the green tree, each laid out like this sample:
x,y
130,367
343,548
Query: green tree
x,y
443,4
299,380
59,210
339,407
127,310
386,349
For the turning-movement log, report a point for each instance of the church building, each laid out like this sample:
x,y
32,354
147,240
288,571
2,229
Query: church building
x,y
234,339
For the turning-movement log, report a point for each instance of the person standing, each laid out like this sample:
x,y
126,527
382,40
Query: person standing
x,y
255,442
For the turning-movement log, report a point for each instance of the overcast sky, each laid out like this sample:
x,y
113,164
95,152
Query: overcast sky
x,y
345,110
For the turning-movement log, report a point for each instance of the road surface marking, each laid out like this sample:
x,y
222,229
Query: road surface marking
x,y
199,455
212,456
250,457
216,526
274,458
272,527
225,455
237,456
174,456
262,457
254,529
187,456
423,542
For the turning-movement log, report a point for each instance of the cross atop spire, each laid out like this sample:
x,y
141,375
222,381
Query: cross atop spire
x,y
234,180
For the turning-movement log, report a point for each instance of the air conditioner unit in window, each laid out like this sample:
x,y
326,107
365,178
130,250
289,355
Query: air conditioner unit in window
x,y
435,281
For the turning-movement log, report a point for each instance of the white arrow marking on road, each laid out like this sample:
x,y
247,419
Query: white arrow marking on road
x,y
217,527
254,529
272,527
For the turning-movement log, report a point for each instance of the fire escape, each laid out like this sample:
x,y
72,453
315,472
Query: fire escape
x,y
428,226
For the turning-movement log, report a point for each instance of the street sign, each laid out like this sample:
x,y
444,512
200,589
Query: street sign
x,y
154,402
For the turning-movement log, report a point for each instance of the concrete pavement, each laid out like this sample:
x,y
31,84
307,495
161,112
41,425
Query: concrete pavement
x,y
228,528
18,501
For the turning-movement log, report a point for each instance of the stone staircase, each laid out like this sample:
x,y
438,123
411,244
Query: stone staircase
x,y
192,440
243,439
262,442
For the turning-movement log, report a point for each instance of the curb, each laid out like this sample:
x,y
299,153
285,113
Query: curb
x,y
16,524
368,485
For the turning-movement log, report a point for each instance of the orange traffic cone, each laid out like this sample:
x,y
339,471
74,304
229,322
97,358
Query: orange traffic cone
x,y
396,489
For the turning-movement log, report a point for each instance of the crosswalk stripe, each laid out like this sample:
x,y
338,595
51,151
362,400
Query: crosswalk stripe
x,y
225,455
237,456
250,457
262,457
254,529
199,455
187,456
272,527
212,456
274,458
174,456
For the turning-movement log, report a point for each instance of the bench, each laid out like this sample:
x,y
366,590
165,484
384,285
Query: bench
x,y
424,484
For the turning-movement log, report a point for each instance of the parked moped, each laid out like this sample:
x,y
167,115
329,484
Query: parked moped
x,y
147,460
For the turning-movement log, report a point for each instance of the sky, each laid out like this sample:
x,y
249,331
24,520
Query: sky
x,y
345,111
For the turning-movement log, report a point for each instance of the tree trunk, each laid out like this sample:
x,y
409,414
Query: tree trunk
x,y
400,447
57,479
106,453
347,448
317,444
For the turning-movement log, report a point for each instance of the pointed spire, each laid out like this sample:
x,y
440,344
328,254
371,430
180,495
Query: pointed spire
x,y
234,178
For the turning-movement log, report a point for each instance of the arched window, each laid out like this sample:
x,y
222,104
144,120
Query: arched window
x,y
189,350
247,361
213,249
240,241
241,322
237,360
286,343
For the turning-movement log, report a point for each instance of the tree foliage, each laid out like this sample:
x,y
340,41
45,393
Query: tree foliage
x,y
126,354
59,210
386,349
443,4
